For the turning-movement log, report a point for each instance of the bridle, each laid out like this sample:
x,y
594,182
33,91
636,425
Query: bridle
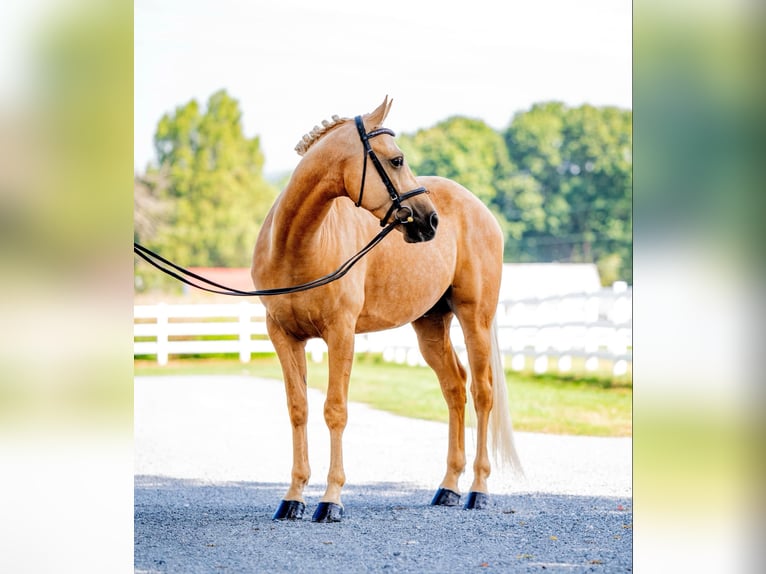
x,y
183,275
396,199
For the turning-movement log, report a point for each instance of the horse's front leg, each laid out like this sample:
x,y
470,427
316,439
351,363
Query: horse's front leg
x,y
340,350
292,357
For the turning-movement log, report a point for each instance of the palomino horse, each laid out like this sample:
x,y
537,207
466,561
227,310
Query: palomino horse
x,y
422,276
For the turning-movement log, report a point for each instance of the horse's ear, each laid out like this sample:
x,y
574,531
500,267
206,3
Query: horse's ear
x,y
378,116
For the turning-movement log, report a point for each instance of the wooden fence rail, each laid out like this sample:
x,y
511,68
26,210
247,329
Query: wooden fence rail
x,y
548,334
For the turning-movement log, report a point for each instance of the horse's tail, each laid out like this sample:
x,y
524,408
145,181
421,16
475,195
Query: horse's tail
x,y
501,427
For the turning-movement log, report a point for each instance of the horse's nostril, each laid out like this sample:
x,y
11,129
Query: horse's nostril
x,y
434,220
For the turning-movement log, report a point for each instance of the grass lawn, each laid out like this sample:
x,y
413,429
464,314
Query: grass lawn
x,y
550,404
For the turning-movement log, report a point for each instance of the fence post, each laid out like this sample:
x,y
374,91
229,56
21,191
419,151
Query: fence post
x,y
244,332
162,334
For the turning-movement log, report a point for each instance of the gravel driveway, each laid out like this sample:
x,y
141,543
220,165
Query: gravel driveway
x,y
213,454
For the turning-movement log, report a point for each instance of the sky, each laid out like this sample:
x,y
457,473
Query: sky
x,y
293,63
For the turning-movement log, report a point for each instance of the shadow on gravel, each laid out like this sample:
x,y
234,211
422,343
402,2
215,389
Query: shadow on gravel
x,y
188,526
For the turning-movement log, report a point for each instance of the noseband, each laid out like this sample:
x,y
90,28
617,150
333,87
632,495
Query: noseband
x,y
396,199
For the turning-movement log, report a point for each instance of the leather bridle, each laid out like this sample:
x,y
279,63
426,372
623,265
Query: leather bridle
x,y
396,199
195,280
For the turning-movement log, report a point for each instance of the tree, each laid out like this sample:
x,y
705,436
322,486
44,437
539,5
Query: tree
x,y
580,164
463,149
558,178
148,209
212,185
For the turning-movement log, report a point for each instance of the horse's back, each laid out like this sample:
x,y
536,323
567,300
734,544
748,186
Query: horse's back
x,y
456,203
478,239
471,225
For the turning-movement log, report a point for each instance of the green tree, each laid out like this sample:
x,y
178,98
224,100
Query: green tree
x,y
577,204
463,149
213,189
558,178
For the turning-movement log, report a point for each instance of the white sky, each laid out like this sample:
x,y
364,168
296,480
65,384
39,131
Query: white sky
x,y
293,63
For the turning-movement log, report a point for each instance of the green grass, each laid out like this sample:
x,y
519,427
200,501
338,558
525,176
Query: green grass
x,y
550,404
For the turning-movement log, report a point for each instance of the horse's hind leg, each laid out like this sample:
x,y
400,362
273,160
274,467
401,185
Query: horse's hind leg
x,y
436,348
476,324
292,356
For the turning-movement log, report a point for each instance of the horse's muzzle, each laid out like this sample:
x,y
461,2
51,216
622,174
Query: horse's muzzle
x,y
421,228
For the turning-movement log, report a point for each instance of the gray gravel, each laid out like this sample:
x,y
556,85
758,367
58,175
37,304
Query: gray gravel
x,y
213,456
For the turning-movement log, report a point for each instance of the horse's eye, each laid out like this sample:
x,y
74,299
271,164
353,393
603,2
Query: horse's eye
x,y
398,161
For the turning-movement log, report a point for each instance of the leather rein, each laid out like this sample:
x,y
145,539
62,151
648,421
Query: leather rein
x,y
186,276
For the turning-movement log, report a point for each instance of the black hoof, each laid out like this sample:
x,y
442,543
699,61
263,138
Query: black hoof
x,y
327,512
289,510
445,497
476,501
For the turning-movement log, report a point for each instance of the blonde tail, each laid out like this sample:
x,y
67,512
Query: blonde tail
x,y
501,427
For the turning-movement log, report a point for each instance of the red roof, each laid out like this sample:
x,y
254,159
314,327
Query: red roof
x,y
234,277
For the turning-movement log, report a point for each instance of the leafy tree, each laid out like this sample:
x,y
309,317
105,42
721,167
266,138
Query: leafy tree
x,y
463,149
212,185
148,210
580,159
558,178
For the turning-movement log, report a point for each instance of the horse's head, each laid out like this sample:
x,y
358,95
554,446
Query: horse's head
x,y
378,178
368,167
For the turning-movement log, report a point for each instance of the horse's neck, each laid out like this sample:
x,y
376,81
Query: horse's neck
x,y
303,212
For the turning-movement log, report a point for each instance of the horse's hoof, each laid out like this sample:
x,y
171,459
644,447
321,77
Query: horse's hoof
x,y
476,501
445,497
327,512
289,510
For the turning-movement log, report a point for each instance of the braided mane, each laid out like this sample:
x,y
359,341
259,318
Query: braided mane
x,y
316,134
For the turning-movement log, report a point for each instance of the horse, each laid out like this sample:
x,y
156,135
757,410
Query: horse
x,y
445,262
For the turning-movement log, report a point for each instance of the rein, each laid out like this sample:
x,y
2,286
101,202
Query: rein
x,y
186,276
181,273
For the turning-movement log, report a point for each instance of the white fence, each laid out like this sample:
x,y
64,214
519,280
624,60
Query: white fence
x,y
547,334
